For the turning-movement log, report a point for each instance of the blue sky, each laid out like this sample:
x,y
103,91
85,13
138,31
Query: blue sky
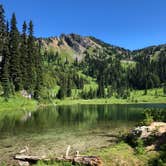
x,y
131,24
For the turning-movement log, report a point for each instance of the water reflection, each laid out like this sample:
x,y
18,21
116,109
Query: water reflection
x,y
78,116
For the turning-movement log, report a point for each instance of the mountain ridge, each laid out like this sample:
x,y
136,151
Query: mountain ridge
x,y
74,46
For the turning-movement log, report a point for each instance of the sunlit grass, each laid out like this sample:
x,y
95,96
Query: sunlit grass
x,y
119,154
17,102
153,96
122,154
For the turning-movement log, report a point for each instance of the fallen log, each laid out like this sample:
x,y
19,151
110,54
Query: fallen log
x,y
26,160
84,160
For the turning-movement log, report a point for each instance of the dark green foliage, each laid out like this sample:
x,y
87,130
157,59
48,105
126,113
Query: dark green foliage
x,y
4,54
21,65
148,118
110,91
140,149
161,159
31,59
15,71
91,94
24,56
162,66
5,77
151,115
39,73
2,34
164,89
69,86
61,94
2,20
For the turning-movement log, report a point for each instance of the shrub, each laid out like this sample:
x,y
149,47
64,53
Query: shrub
x,y
140,147
148,118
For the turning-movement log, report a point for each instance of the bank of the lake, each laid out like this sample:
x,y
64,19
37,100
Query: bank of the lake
x,y
18,102
152,96
161,100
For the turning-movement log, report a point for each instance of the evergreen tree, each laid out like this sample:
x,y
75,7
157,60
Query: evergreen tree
x,y
101,92
69,92
61,93
15,72
24,56
2,21
31,72
164,89
5,78
2,34
39,73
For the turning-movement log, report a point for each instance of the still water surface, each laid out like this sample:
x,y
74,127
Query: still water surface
x,y
50,130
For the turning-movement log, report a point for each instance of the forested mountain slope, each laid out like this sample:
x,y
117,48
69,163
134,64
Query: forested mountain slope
x,y
115,70
152,51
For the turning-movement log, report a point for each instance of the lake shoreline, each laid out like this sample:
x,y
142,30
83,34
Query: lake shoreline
x,y
15,103
100,102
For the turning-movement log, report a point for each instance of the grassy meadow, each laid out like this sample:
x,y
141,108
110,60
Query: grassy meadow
x,y
152,96
119,154
18,102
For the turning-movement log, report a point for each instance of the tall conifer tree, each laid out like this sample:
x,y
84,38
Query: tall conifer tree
x,y
39,72
31,72
5,77
15,72
24,56
2,34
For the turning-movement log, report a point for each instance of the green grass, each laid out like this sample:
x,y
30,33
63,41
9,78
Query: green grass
x,y
17,102
125,64
89,79
122,154
54,164
135,97
114,155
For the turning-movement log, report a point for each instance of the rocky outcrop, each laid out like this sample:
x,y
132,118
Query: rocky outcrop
x,y
153,136
156,128
77,45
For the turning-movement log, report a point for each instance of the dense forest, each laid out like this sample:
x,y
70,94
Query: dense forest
x,y
21,63
74,66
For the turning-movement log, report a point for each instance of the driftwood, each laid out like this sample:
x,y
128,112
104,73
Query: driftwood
x,y
26,160
85,160
31,159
